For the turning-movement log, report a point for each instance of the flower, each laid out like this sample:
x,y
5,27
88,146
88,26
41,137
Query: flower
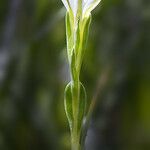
x,y
83,7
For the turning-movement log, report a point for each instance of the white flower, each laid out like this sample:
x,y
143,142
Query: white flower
x,y
86,6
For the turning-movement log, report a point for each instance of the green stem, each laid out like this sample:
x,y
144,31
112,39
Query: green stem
x,y
75,141
75,135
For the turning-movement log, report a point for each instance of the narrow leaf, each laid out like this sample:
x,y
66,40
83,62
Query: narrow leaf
x,y
68,105
82,106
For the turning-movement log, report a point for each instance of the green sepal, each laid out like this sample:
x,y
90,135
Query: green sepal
x,y
84,29
74,73
68,104
77,39
69,35
86,26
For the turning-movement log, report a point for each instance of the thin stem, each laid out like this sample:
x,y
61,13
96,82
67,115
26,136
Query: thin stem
x,y
75,142
75,135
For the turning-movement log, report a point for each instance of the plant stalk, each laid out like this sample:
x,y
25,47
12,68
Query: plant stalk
x,y
75,135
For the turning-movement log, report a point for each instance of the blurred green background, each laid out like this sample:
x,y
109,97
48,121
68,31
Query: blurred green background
x,y
34,72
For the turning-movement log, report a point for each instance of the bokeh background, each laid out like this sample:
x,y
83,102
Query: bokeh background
x,y
34,72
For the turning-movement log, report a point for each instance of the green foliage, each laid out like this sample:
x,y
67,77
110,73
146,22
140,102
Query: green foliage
x,y
68,105
77,30
33,76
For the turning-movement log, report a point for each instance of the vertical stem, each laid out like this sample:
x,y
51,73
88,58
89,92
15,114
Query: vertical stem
x,y
75,142
75,135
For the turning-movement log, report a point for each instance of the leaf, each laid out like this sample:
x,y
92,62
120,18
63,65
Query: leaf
x,y
68,104
82,106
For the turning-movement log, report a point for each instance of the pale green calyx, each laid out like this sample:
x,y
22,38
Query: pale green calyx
x,y
77,24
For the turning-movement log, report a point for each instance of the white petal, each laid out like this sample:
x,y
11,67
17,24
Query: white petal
x,y
74,6
84,2
89,5
71,4
66,4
